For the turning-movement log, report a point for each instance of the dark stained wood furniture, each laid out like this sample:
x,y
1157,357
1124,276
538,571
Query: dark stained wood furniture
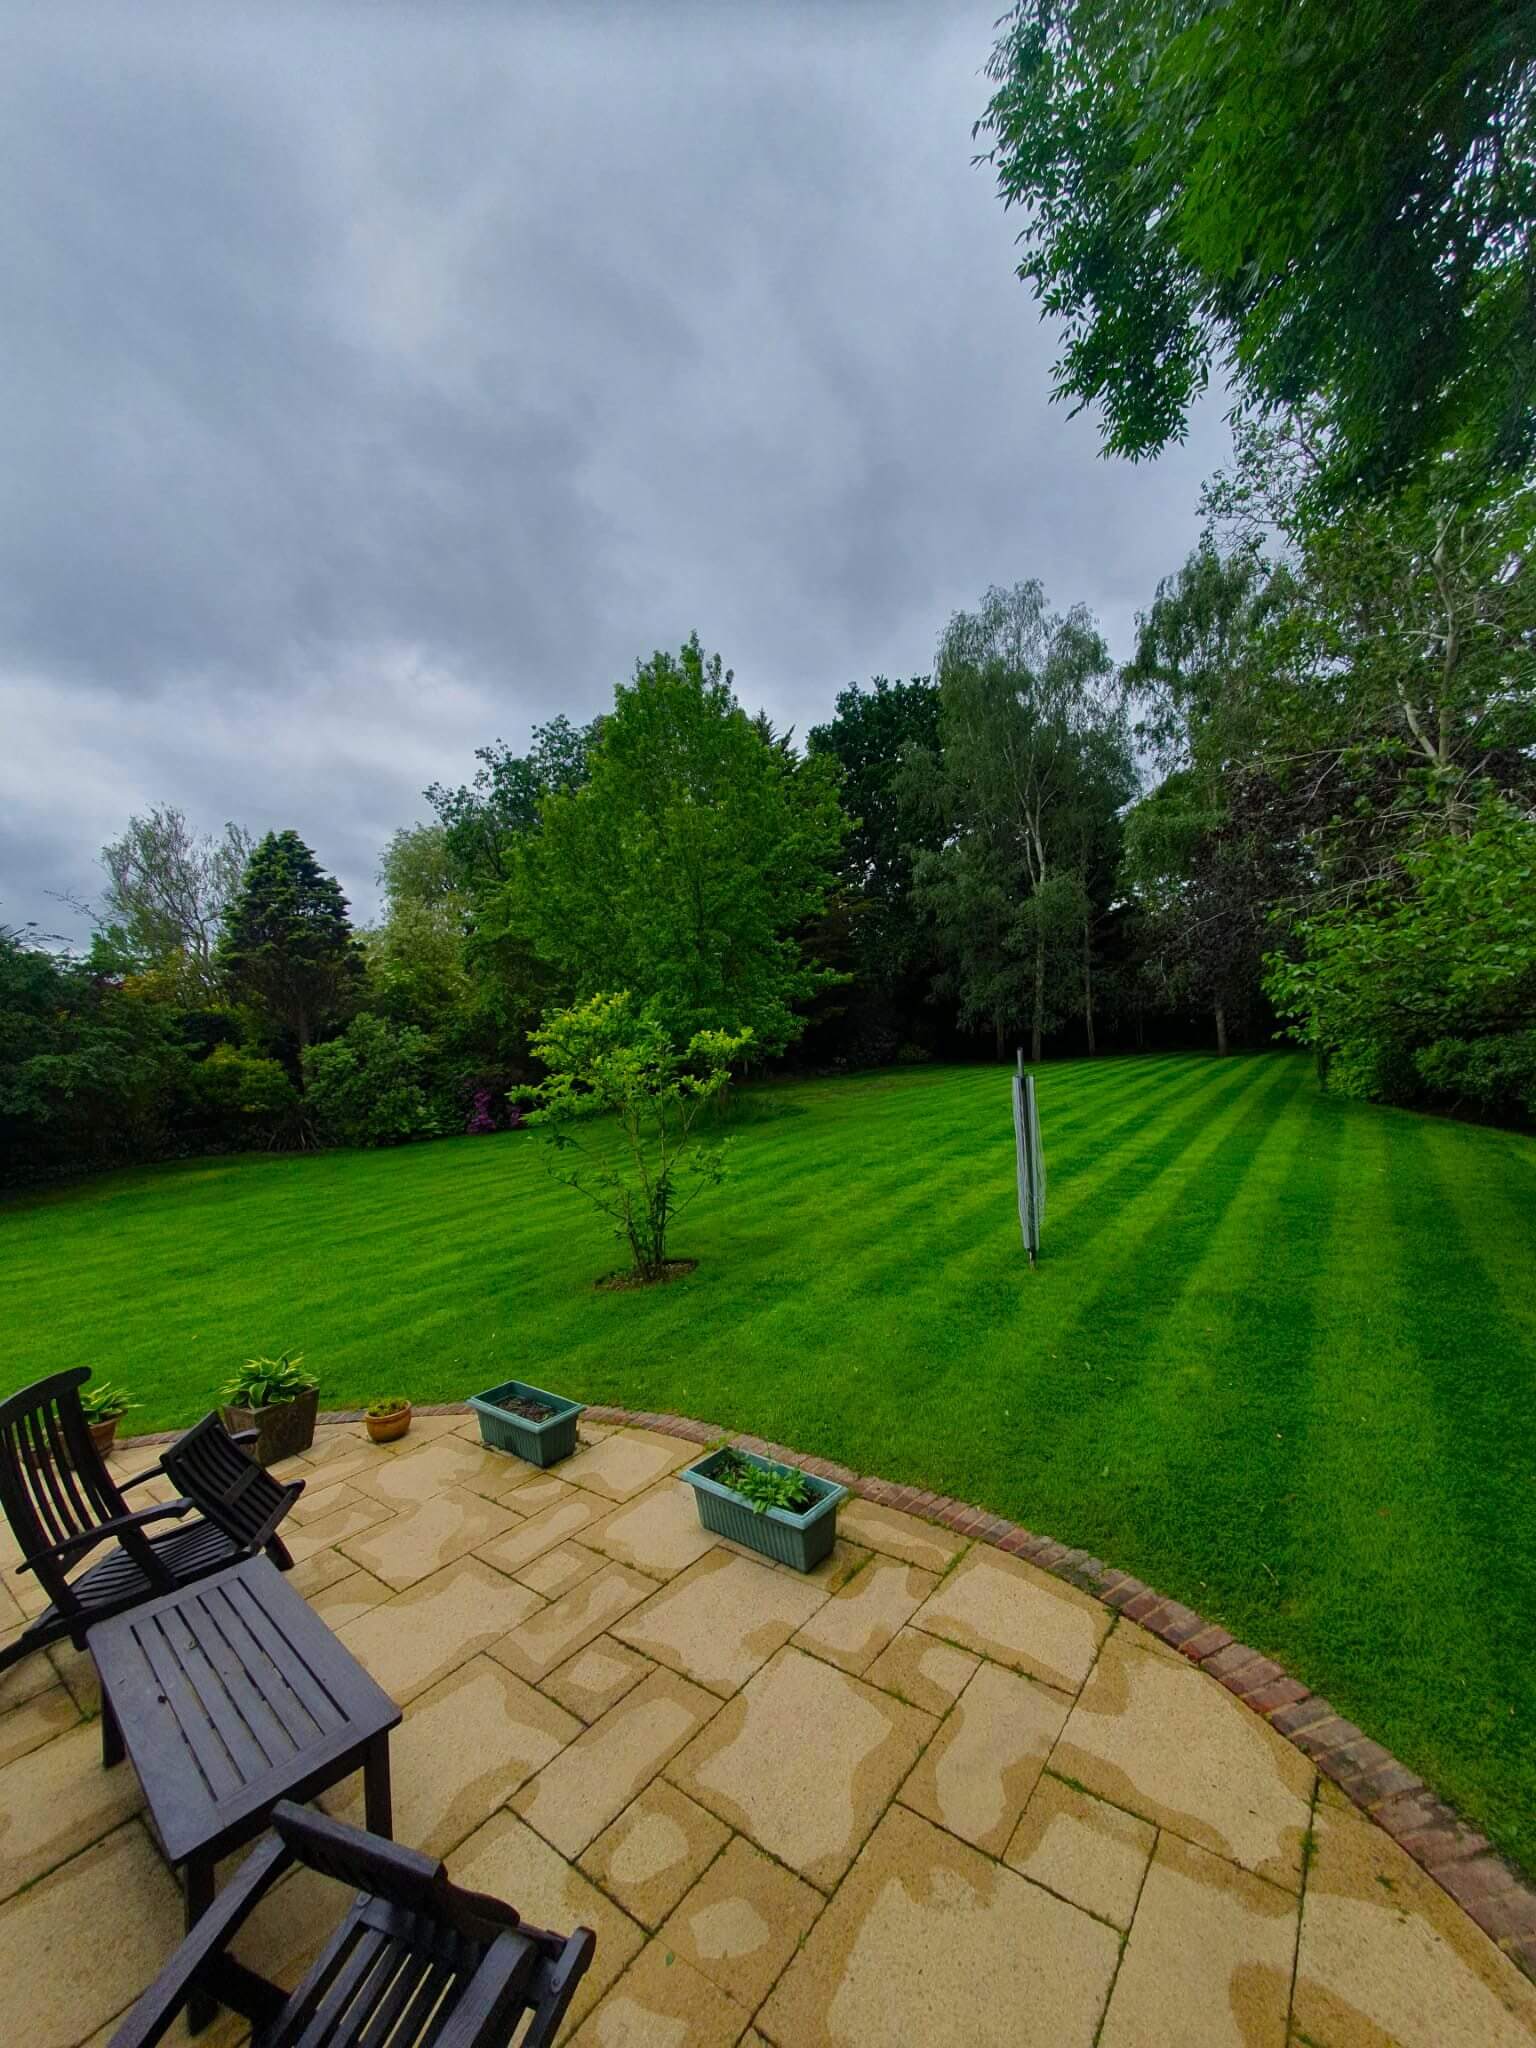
x,y
228,1696
418,1962
63,1503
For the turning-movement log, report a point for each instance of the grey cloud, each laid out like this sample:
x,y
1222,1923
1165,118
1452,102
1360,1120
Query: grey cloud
x,y
380,379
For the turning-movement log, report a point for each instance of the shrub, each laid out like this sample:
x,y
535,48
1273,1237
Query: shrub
x,y
264,1382
1498,1074
369,1087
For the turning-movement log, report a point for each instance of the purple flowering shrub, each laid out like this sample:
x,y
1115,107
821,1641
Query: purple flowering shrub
x,y
480,1119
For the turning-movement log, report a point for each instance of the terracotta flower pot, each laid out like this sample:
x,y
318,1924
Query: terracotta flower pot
x,y
384,1429
104,1434
284,1429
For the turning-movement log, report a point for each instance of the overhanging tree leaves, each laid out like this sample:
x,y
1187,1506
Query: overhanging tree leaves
x,y
1328,203
287,943
167,890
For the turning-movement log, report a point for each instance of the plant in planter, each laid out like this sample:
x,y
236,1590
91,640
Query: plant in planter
x,y
276,1399
105,1406
527,1421
387,1419
776,1510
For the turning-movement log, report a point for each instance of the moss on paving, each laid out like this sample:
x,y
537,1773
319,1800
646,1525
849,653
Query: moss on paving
x,y
1277,1359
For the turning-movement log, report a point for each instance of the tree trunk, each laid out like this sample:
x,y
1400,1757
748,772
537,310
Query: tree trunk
x,y
1088,985
1037,1021
1221,1028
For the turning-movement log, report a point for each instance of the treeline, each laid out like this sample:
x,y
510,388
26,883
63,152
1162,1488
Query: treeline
x,y
1305,806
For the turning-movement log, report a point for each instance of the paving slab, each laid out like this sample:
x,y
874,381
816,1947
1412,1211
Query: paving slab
x,y
507,1859
1172,1745
59,1980
661,2003
650,1856
924,1672
536,1646
657,1532
977,1774
1208,1963
1386,1956
591,1782
529,1538
419,1636
803,1761
421,1471
1010,1613
929,1941
34,1673
866,1612
55,1800
329,1530
463,1750
318,1500
1090,1852
319,1569
556,1571
427,1535
37,1720
721,1620
343,1600
626,1463
881,1528
742,1922
596,1678
530,1490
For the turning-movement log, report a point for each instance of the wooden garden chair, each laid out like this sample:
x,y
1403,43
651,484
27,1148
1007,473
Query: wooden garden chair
x,y
63,1503
417,1962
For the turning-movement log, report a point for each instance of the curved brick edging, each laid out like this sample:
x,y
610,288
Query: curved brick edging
x,y
1462,1861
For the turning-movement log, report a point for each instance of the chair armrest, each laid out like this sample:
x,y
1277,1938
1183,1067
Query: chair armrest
x,y
151,2018
139,1478
76,1546
558,1988
495,1997
243,1436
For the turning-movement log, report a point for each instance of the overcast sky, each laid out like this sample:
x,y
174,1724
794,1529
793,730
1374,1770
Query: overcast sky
x,y
379,379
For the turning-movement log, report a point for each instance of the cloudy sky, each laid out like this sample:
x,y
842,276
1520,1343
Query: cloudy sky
x,y
381,378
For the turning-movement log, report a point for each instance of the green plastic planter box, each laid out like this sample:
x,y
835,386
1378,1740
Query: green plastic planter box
x,y
541,1443
798,1540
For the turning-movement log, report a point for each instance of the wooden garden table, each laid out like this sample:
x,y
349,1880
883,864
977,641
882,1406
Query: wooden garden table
x,y
227,1696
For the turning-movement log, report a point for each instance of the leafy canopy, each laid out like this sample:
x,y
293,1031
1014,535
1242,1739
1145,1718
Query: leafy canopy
x,y
286,944
687,863
620,1106
1321,201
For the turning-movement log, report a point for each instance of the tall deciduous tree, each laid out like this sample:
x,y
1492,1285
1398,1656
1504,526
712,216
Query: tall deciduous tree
x,y
167,890
1324,202
1032,746
687,865
286,944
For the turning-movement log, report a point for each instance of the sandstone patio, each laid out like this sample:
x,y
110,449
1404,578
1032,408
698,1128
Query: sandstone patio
x,y
928,1794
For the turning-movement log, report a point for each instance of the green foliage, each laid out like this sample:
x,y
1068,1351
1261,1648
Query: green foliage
x,y
1403,986
104,1401
1034,768
482,821
388,1404
370,1085
267,1382
286,945
235,1087
762,1486
686,865
1327,203
167,891
621,1105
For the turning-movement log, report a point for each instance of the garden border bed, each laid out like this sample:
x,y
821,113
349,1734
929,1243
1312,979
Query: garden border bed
x,y
1461,1860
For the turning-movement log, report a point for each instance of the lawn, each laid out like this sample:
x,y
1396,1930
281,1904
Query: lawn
x,y
1277,1358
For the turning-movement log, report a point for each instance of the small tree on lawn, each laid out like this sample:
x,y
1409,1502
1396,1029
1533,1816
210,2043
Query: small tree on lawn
x,y
286,943
621,1106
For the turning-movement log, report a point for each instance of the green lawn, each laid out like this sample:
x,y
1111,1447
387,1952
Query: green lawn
x,y
1277,1359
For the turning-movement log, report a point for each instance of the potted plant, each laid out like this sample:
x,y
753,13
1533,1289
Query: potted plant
x,y
526,1421
277,1400
776,1510
105,1406
387,1419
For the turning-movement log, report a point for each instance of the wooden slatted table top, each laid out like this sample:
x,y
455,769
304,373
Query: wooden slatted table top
x,y
229,1694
